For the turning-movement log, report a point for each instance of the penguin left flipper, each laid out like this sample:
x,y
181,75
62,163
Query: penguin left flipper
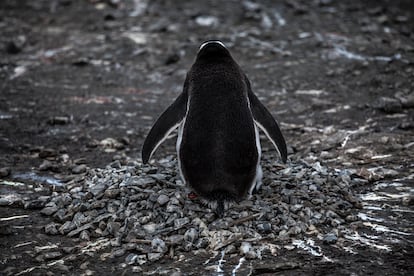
x,y
265,121
166,123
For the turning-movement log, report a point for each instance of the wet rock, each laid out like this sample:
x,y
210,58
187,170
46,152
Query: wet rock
x,y
11,200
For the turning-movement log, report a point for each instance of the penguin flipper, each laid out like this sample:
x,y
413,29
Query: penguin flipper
x,y
265,121
165,124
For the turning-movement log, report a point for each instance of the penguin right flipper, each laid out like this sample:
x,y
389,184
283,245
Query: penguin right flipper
x,y
166,123
265,121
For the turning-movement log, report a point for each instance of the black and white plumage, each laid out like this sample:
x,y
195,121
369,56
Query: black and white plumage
x,y
218,117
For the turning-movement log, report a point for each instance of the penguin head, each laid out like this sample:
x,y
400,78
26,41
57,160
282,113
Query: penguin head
x,y
213,49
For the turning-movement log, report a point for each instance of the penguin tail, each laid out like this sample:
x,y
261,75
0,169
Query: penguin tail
x,y
220,208
219,199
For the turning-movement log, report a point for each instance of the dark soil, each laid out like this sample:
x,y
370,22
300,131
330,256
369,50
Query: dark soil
x,y
74,73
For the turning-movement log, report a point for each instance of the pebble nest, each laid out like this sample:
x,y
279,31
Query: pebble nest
x,y
144,211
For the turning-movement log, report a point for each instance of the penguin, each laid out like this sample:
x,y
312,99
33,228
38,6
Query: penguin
x,y
218,118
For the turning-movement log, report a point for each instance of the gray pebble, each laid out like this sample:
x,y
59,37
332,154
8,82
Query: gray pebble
x,y
131,258
330,238
162,199
79,169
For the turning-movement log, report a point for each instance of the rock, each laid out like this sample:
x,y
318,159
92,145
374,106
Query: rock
x,y
5,171
131,259
79,169
154,256
389,105
142,259
162,199
142,214
330,238
178,223
207,21
191,235
112,193
47,153
84,235
158,245
52,255
52,228
150,228
118,252
175,239
11,200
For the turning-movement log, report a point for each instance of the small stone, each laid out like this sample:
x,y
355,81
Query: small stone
x,y
142,259
49,210
207,21
136,269
191,235
408,201
112,193
264,227
162,199
330,238
5,171
52,255
131,259
178,223
84,235
158,245
118,252
175,239
245,247
150,228
67,227
79,169
389,105
113,227
52,228
154,256
46,153
98,188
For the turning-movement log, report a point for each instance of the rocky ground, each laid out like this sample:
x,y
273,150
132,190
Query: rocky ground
x,y
82,82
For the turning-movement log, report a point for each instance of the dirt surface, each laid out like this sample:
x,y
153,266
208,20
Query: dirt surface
x,y
82,81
